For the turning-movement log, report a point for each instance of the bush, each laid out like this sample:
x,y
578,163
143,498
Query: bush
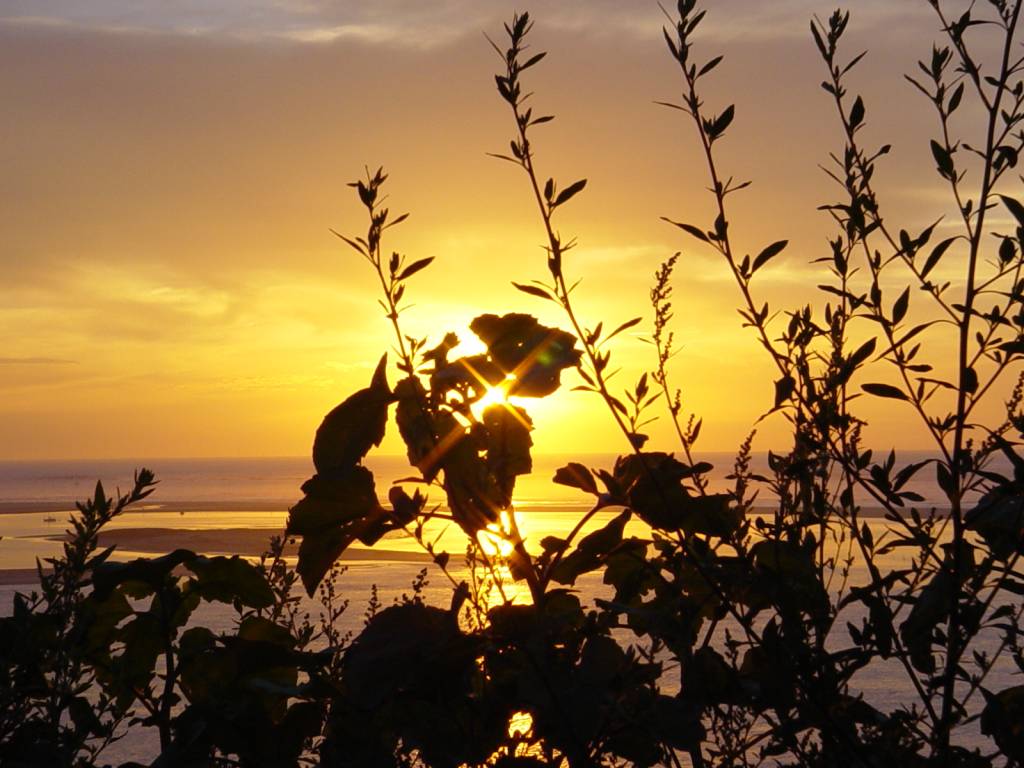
x,y
763,618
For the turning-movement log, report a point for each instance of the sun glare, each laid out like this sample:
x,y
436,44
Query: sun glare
x,y
495,396
495,538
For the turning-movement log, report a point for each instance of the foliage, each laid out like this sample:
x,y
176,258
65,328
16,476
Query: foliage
x,y
728,635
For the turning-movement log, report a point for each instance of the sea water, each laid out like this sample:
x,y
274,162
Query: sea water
x,y
214,494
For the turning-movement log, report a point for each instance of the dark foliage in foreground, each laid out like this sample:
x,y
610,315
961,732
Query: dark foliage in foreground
x,y
764,620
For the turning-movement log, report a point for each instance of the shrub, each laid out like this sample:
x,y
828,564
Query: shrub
x,y
763,618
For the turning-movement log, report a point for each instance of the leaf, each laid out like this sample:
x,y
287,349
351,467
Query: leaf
x,y
318,553
689,229
856,113
533,290
625,326
943,159
407,652
1007,250
954,100
508,442
1015,207
227,579
899,309
970,380
767,254
332,501
783,390
936,255
863,353
710,66
591,551
722,122
532,60
1001,719
336,510
415,267
884,390
569,192
576,475
533,353
349,431
144,571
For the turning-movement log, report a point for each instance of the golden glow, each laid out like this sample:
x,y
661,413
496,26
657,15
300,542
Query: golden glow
x,y
221,317
495,396
495,538
520,724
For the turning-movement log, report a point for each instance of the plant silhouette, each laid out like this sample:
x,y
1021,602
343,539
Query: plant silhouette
x,y
728,636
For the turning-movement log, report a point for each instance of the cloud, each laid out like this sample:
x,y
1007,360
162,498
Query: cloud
x,y
425,24
36,361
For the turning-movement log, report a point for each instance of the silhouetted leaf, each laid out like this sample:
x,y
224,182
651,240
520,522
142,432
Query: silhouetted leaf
x,y
350,430
723,121
477,372
336,510
407,650
999,519
533,353
625,326
943,159
954,100
507,429
1015,207
591,550
227,579
576,475
689,229
532,60
899,309
856,113
331,501
970,380
1007,250
569,192
413,268
864,351
423,431
150,572
534,290
1001,719
884,390
936,255
767,254
709,66
318,553
784,390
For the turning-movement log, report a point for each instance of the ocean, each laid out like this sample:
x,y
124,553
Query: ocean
x,y
223,498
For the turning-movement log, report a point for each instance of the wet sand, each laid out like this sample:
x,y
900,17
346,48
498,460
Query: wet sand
x,y
248,542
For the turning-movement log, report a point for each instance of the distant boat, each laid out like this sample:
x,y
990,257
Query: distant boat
x,y
49,519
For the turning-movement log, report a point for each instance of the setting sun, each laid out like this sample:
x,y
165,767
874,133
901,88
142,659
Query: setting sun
x,y
448,433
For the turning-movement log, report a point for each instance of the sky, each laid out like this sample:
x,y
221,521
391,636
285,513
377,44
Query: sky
x,y
172,169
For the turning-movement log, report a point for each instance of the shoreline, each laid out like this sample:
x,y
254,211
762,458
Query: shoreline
x,y
133,543
281,507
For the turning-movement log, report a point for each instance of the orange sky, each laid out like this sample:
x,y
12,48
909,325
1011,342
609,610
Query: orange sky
x,y
171,169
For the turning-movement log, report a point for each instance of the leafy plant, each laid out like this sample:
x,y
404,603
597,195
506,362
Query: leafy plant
x,y
729,634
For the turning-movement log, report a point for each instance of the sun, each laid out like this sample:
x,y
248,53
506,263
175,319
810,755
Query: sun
x,y
494,396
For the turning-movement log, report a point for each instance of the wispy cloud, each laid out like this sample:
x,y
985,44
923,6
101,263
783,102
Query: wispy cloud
x,y
36,361
423,23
